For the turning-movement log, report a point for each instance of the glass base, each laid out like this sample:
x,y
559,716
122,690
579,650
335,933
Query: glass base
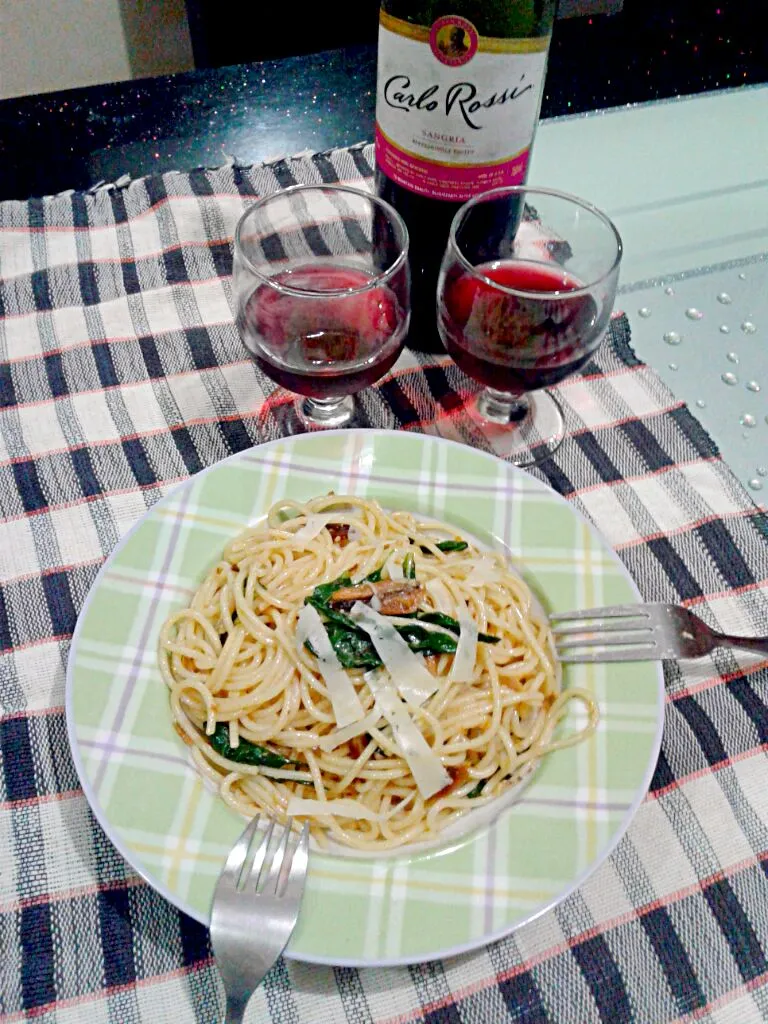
x,y
525,429
303,415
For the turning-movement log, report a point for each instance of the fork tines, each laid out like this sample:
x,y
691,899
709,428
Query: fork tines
x,y
584,635
270,859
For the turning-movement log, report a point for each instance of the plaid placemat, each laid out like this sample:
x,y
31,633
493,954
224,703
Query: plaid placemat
x,y
121,373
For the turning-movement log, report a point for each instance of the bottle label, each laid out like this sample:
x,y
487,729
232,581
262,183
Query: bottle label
x,y
455,111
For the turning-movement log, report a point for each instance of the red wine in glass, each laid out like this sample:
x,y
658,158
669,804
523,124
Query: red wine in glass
x,y
329,340
521,341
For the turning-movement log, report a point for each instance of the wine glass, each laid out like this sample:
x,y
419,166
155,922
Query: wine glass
x,y
322,292
524,298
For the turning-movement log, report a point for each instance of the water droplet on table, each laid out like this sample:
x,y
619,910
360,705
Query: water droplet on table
x,y
644,312
748,420
673,366
694,314
742,277
732,357
762,470
752,385
701,403
725,329
755,484
673,338
729,378
724,298
669,290
748,327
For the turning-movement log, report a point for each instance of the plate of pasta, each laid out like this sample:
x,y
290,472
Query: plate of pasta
x,y
351,628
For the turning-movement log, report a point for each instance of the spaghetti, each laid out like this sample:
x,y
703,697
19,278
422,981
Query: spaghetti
x,y
370,671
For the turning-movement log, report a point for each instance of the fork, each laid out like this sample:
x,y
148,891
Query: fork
x,y
640,632
256,905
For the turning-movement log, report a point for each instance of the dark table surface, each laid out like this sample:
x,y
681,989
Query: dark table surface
x,y
652,50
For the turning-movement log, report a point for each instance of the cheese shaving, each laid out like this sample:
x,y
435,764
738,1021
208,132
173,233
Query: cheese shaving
x,y
463,668
335,739
316,523
426,767
438,591
344,699
342,808
414,680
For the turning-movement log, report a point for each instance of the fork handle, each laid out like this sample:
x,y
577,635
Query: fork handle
x,y
758,644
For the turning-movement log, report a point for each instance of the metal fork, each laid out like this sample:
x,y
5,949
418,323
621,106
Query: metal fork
x,y
256,905
640,632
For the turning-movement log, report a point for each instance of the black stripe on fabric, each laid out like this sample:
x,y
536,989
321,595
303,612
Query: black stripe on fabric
x,y
151,356
737,929
186,447
242,182
646,445
620,338
199,183
325,169
119,212
724,553
675,568
200,347
315,240
41,290
105,366
282,172
440,387
598,457
7,390
54,368
61,607
273,249
6,637
131,282
195,946
221,255
89,286
235,435
604,980
36,213
28,486
175,267
663,776
138,461
693,431
362,165
18,761
80,217
38,986
398,401
745,693
155,188
444,1015
556,478
674,960
86,474
522,997
116,937
703,729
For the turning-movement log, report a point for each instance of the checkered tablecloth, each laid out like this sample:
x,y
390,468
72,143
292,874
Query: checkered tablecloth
x,y
121,373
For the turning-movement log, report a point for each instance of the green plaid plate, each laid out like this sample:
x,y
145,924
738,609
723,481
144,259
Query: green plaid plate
x,y
377,910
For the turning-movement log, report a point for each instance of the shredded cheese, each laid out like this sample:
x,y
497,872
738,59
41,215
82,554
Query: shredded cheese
x,y
414,680
426,767
344,699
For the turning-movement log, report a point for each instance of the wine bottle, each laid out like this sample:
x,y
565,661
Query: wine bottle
x,y
459,87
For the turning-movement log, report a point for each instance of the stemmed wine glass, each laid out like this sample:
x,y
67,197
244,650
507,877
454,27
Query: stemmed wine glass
x,y
322,291
524,298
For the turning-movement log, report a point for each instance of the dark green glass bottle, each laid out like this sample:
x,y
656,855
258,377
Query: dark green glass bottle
x,y
458,98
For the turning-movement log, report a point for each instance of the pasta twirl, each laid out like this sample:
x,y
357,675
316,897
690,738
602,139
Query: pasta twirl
x,y
372,671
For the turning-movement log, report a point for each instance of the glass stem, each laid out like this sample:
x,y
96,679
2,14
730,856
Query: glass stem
x,y
501,407
327,412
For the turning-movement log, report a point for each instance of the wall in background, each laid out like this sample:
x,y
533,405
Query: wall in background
x,y
61,44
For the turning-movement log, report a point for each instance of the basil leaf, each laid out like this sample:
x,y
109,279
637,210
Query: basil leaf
x,y
447,622
246,752
324,591
409,566
375,576
447,545
334,615
353,649
476,790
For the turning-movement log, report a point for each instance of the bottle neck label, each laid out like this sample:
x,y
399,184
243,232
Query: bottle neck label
x,y
455,111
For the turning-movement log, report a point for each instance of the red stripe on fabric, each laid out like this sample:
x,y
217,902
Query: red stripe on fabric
x,y
589,933
723,1000
54,569
58,709
35,801
92,997
713,681
743,513
693,602
94,497
700,773
132,882
610,484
